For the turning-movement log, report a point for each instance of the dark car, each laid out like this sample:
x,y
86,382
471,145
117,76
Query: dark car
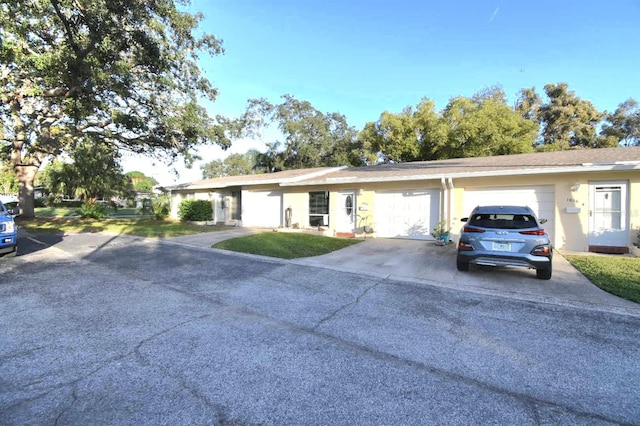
x,y
508,236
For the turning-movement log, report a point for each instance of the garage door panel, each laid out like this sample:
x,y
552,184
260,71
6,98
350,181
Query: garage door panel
x,y
262,209
408,214
540,198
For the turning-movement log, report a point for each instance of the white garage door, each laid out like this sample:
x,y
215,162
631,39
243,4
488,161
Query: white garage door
x,y
539,198
262,209
409,214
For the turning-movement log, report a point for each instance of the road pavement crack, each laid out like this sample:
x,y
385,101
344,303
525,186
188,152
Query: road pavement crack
x,y
347,305
101,365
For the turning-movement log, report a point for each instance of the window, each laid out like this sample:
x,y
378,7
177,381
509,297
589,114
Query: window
x,y
319,208
235,206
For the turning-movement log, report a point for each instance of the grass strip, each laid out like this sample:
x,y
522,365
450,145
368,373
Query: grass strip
x,y
139,227
285,245
616,275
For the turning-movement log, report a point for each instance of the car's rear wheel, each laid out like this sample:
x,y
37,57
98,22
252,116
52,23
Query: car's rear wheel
x,y
462,265
544,274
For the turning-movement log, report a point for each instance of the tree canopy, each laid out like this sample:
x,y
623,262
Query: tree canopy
x,y
467,127
124,74
233,165
311,138
93,173
141,182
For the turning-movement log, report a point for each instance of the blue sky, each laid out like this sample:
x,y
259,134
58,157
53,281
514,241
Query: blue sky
x,y
360,58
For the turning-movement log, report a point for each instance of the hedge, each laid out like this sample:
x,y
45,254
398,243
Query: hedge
x,y
195,210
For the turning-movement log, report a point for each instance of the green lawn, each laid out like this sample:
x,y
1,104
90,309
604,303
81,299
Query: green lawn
x,y
617,275
285,245
139,227
74,211
56,211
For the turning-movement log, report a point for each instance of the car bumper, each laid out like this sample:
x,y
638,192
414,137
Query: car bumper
x,y
513,260
8,243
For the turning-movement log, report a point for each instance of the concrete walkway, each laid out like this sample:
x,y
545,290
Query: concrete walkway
x,y
423,262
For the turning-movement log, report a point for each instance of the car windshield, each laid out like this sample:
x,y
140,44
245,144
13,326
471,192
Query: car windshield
x,y
503,221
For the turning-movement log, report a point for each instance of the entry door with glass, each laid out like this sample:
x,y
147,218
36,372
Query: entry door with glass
x,y
346,211
608,214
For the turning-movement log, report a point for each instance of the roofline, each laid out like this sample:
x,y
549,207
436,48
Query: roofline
x,y
587,167
239,182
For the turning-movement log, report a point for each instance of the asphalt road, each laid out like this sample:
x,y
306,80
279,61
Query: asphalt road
x,y
99,329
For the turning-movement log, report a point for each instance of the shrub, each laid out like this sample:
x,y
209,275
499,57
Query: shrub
x,y
195,210
93,211
161,207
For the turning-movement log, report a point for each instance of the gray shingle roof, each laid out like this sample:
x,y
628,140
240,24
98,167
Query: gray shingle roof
x,y
533,163
572,161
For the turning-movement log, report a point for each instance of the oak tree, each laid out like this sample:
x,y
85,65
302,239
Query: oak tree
x,y
124,73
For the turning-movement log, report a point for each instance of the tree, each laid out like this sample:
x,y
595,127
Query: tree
x,y
528,104
312,138
567,121
8,179
123,73
394,137
94,173
233,165
623,126
57,179
141,182
468,127
432,130
485,125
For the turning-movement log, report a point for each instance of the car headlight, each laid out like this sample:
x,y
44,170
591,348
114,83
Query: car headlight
x,y
9,227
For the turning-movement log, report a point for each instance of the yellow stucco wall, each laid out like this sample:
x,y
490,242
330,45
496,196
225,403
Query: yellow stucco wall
x,y
570,191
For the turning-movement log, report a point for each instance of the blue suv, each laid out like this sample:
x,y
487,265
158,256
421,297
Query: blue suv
x,y
8,231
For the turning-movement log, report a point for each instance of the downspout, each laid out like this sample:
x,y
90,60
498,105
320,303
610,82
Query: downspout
x,y
451,203
445,197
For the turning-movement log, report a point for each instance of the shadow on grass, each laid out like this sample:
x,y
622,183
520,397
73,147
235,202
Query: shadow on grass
x,y
147,228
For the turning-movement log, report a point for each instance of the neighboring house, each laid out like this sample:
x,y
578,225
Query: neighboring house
x,y
590,197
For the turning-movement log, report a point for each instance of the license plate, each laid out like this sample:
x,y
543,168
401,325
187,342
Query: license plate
x,y
501,246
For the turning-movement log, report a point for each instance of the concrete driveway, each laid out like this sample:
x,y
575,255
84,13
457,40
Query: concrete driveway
x,y
423,261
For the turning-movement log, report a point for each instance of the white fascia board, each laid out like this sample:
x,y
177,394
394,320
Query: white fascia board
x,y
279,181
439,176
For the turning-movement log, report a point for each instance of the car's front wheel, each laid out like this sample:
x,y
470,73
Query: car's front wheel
x,y
462,265
544,274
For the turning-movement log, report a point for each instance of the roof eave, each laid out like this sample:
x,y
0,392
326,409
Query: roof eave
x,y
493,173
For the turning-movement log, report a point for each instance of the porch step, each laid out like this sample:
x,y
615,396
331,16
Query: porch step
x,y
609,249
346,234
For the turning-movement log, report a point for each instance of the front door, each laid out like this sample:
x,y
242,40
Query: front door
x,y
608,214
346,211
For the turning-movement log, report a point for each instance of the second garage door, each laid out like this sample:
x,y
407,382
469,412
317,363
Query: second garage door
x,y
262,208
408,214
540,198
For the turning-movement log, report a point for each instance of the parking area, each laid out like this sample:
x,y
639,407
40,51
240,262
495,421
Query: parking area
x,y
424,261
126,330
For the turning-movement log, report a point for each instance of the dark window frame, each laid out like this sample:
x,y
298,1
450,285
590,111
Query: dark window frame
x,y
318,208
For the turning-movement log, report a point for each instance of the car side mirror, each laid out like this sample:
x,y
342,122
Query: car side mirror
x,y
14,211
464,219
543,221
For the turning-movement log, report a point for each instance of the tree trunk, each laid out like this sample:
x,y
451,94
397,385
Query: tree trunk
x,y
26,177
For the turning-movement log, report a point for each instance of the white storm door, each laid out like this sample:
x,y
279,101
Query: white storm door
x,y
346,220
608,214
